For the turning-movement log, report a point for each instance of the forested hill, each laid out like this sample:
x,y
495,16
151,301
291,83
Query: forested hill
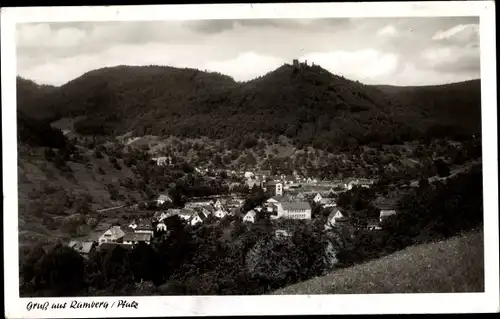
x,y
306,103
30,96
454,103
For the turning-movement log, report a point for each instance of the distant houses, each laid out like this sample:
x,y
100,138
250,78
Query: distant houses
x,y
162,199
250,216
282,234
358,182
328,202
334,218
386,214
128,235
220,213
161,227
278,199
136,238
373,225
186,214
113,235
318,198
162,160
249,175
142,228
198,202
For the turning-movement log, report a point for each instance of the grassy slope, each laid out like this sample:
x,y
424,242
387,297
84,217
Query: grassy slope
x,y
35,173
455,265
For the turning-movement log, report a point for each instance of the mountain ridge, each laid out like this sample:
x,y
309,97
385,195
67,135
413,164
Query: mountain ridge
x,y
308,104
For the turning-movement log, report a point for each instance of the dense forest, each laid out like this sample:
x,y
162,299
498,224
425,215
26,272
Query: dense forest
x,y
307,104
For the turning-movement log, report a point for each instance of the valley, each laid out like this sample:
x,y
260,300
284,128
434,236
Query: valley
x,y
100,151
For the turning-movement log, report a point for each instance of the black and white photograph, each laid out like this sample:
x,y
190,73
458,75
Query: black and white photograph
x,y
232,156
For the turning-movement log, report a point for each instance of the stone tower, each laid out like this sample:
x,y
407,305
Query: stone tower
x,y
279,189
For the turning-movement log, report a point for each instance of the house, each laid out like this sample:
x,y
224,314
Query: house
x,y
350,184
218,204
328,202
162,160
301,196
249,175
235,211
386,214
271,207
294,186
281,234
334,217
197,218
220,213
337,189
83,248
142,228
373,225
162,199
366,183
186,214
318,198
136,238
250,216
251,183
159,216
198,202
113,235
207,209
294,210
233,204
161,227
278,199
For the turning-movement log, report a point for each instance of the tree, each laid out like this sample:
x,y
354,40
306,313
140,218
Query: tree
x,y
49,154
423,183
116,268
98,153
63,270
271,261
443,169
217,160
31,258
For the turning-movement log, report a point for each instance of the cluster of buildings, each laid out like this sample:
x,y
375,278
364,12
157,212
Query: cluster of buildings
x,y
288,201
126,236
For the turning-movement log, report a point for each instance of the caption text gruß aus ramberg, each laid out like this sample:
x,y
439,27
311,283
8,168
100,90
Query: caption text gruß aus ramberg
x,y
76,304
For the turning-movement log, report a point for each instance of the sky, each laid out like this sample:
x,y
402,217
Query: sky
x,y
402,51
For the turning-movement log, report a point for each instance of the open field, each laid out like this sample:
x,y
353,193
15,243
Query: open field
x,y
454,265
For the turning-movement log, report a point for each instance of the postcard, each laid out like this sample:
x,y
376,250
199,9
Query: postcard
x,y
250,159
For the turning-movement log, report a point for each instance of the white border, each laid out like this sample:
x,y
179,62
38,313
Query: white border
x,y
266,305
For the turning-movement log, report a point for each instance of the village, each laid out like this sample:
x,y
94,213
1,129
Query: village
x,y
287,198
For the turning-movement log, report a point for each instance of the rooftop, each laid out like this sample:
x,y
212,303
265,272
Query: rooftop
x,y
137,237
296,205
163,197
81,247
116,232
